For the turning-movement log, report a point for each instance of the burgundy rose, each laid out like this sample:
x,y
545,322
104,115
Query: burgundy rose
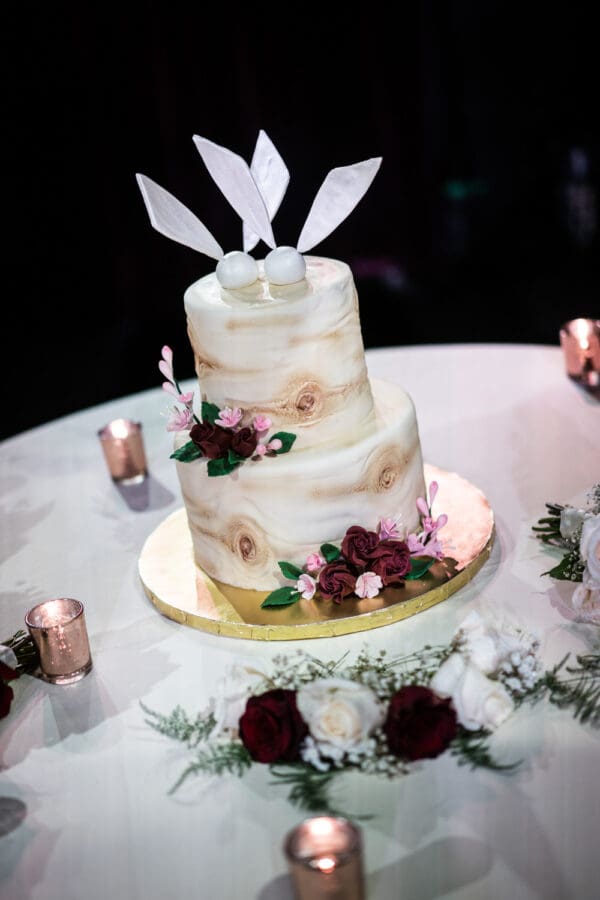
x,y
244,442
6,692
271,728
419,724
336,581
358,545
391,561
213,440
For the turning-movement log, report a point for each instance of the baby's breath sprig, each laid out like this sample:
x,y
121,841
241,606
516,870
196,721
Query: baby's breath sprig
x,y
178,725
231,758
579,690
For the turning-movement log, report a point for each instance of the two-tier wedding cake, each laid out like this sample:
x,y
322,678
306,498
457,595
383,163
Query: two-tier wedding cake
x,y
290,443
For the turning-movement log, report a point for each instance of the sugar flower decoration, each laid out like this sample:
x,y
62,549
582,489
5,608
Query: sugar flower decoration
x,y
368,585
178,419
229,418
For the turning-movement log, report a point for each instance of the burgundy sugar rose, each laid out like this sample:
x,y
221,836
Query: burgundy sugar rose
x,y
336,581
419,724
244,442
271,728
391,561
212,440
6,692
358,545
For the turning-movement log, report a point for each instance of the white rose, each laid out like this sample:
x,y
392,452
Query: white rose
x,y
229,705
478,643
589,547
8,656
487,646
570,520
339,712
479,702
586,596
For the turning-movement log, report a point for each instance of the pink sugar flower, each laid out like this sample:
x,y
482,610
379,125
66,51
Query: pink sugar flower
x,y
166,370
432,526
307,586
166,363
387,528
314,562
434,548
368,585
229,418
415,545
275,444
170,389
433,489
422,506
179,419
261,449
262,423
420,547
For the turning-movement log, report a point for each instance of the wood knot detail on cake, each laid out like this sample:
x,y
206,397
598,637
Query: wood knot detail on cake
x,y
309,400
385,470
247,542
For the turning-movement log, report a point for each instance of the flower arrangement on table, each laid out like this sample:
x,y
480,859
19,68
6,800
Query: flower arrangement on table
x,y
576,531
222,436
366,562
310,721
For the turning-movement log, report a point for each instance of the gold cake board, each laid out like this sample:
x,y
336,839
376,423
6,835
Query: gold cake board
x,y
182,591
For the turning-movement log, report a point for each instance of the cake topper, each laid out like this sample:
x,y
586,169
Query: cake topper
x,y
255,192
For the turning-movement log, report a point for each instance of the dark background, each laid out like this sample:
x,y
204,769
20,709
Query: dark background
x,y
480,226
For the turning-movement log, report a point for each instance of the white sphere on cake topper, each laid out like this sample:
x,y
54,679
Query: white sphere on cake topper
x,y
255,192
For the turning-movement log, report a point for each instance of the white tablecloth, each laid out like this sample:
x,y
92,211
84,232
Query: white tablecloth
x,y
90,779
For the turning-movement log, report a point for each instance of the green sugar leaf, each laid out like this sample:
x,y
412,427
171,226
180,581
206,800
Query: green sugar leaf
x,y
283,596
187,453
287,439
418,567
220,466
290,570
210,412
330,552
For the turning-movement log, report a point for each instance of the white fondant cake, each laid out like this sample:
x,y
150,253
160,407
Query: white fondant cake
x,y
295,354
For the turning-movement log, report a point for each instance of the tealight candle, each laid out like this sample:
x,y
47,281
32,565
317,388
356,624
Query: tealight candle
x,y
123,448
580,341
59,632
324,856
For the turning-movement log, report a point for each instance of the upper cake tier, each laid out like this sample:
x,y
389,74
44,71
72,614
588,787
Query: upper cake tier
x,y
291,352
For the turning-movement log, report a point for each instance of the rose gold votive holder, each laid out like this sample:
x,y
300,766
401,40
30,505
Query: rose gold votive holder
x,y
324,857
580,342
59,632
123,448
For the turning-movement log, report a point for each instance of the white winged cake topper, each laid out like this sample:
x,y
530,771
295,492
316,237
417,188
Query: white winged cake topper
x,y
255,192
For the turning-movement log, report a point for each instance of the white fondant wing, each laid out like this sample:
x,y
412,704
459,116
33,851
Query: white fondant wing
x,y
335,200
272,177
176,221
234,179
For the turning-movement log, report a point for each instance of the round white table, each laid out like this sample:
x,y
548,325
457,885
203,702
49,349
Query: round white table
x,y
85,810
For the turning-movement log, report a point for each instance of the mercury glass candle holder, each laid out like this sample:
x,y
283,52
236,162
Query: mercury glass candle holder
x,y
123,447
324,857
580,342
59,632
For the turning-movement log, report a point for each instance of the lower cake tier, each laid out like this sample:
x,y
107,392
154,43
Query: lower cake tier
x,y
286,507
